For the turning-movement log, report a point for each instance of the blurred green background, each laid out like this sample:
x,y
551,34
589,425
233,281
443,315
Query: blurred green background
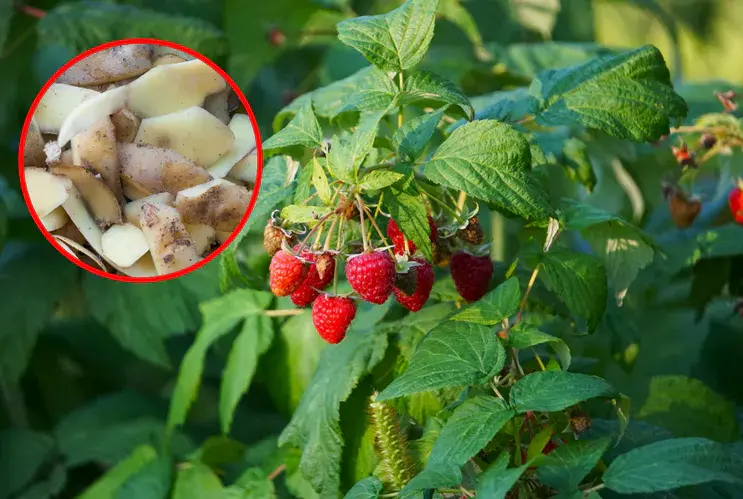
x,y
87,365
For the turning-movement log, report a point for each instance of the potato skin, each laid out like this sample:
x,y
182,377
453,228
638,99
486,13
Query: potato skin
x,y
33,150
170,244
221,206
96,149
110,65
126,124
155,170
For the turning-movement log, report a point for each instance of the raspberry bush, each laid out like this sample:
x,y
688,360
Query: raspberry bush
x,y
482,264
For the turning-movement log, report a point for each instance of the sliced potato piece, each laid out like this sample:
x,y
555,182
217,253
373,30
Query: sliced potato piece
x,y
242,129
168,59
203,236
124,244
173,87
133,191
126,124
70,231
144,267
57,104
110,65
223,236
83,220
154,170
90,112
161,50
217,105
96,148
46,191
192,132
103,204
55,220
33,149
247,168
133,208
219,204
171,246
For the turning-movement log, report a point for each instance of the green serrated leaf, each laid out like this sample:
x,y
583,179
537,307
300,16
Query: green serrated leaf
x,y
550,391
152,481
413,136
565,467
253,483
314,426
428,89
303,130
28,451
498,304
579,280
196,481
433,477
141,318
404,202
675,463
452,354
368,488
454,12
496,481
81,26
539,442
303,214
219,317
689,408
304,184
253,341
348,151
469,429
524,335
48,488
22,276
320,180
491,161
379,179
628,95
107,486
394,41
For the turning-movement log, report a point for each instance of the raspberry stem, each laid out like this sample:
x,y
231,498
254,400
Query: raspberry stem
x,y
446,207
326,246
399,110
363,230
374,223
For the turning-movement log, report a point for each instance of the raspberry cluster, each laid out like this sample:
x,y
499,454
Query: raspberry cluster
x,y
304,272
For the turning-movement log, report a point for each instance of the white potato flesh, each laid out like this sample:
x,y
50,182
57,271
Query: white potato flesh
x,y
57,104
55,220
83,220
126,124
124,244
96,148
192,132
154,170
33,149
90,112
246,169
133,191
242,129
110,65
173,87
47,191
171,246
219,204
203,236
103,204
168,59
133,208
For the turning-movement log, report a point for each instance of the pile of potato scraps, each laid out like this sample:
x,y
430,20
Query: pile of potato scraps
x,y
135,161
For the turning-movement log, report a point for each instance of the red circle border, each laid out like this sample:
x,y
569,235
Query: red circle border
x,y
213,254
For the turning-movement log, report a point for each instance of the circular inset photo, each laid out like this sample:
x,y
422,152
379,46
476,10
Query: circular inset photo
x,y
140,160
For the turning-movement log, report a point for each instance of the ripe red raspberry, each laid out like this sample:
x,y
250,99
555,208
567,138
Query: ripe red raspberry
x,y
735,198
371,275
424,284
307,291
286,273
332,315
398,239
471,274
